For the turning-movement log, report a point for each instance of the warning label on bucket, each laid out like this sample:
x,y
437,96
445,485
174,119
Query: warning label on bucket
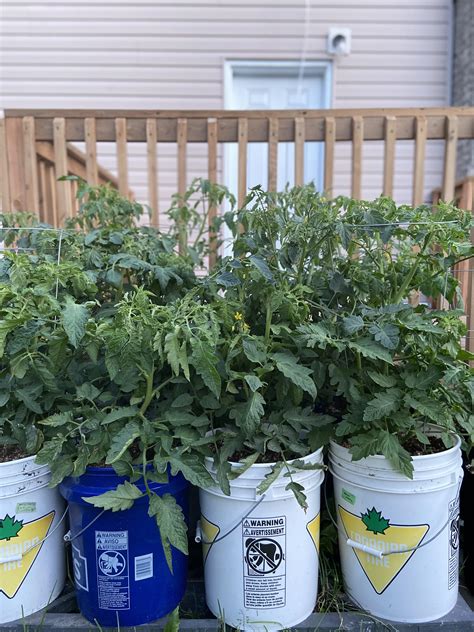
x,y
264,552
453,534
113,583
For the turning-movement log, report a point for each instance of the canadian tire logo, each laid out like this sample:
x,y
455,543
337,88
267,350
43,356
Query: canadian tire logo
x,y
376,531
18,537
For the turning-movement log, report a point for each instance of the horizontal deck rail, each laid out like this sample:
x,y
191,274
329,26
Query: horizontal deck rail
x,y
35,150
23,130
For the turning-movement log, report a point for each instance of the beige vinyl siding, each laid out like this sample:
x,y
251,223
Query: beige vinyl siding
x,y
160,54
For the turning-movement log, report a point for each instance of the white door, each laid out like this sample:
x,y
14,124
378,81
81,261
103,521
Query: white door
x,y
270,86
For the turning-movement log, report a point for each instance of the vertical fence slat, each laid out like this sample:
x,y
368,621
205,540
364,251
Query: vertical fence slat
x,y
31,166
182,139
212,175
16,162
389,154
242,161
152,168
75,206
299,151
449,177
357,140
51,198
418,182
4,175
63,195
419,160
43,209
122,163
92,174
272,153
329,143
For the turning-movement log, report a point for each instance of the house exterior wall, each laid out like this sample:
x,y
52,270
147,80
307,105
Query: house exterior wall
x,y
463,75
170,54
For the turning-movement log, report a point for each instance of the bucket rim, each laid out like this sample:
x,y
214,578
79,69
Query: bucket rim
x,y
23,459
380,457
257,466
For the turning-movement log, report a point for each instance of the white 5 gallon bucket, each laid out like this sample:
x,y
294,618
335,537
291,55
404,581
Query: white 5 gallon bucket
x,y
399,538
32,559
261,551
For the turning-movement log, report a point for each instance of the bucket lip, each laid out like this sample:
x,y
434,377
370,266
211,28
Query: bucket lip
x,y
24,459
257,466
380,457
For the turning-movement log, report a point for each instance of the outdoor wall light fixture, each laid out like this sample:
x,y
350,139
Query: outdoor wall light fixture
x,y
339,41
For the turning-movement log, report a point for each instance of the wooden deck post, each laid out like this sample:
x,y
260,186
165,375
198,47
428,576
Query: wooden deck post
x,y
15,152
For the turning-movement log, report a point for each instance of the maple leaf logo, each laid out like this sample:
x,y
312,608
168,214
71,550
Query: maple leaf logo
x,y
375,522
10,528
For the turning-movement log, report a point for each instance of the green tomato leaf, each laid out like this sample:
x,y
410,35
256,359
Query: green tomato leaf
x,y
172,622
57,420
261,265
248,414
254,382
74,318
182,401
204,361
171,523
352,324
87,391
383,404
298,491
270,477
192,469
172,350
118,499
423,379
60,469
288,364
244,465
119,413
254,350
114,277
428,407
227,279
371,349
122,441
386,381
387,335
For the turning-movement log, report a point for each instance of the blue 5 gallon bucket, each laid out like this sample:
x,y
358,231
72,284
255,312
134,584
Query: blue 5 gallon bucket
x,y
120,570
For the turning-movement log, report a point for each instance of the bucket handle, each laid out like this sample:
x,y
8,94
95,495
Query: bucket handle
x,y
69,537
376,552
19,556
199,538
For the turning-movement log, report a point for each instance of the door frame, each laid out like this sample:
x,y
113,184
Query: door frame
x,y
322,69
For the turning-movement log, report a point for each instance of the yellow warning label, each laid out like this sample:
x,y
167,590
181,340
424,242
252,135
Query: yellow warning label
x,y
372,530
313,530
210,531
16,538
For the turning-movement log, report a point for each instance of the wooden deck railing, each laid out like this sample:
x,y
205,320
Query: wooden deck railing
x,y
464,271
35,149
76,165
29,170
24,130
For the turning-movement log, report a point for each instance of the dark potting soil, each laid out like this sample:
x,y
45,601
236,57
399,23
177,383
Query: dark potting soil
x,y
11,453
415,447
268,457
